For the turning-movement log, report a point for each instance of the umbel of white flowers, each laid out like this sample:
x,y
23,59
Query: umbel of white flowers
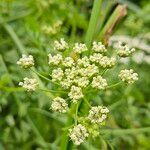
x,y
78,134
29,84
74,75
26,61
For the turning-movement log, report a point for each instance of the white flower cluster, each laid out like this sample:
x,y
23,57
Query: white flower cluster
x,y
68,62
79,48
29,84
99,83
103,61
60,45
124,50
26,61
75,93
98,114
99,47
128,76
54,60
53,29
57,74
78,134
59,105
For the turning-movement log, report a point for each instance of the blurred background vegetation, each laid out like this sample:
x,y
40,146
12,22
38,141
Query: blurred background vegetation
x,y
31,26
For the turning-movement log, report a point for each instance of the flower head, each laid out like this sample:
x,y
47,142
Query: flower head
x,y
98,114
99,83
29,84
61,45
124,50
59,105
99,47
26,61
57,74
75,93
68,62
78,134
54,60
79,48
128,76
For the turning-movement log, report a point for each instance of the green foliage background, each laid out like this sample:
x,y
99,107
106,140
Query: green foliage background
x,y
25,119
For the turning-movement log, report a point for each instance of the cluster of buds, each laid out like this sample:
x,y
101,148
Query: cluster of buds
x,y
26,61
78,134
128,76
124,50
29,84
59,105
75,76
98,114
52,30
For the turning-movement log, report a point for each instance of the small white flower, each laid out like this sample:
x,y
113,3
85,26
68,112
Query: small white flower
x,y
66,83
81,81
107,62
98,114
75,93
57,74
26,61
29,84
89,71
99,83
61,45
128,76
59,105
99,47
54,60
68,62
78,134
79,48
96,57
84,61
124,50
71,72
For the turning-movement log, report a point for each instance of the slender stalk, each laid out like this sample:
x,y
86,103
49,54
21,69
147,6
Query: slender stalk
x,y
125,131
76,115
53,91
114,85
93,22
86,101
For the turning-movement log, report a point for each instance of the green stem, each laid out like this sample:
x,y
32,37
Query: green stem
x,y
40,75
93,22
53,91
125,131
86,101
114,85
76,115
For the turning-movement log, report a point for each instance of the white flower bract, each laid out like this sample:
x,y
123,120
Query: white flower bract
x,y
128,76
26,61
78,134
29,84
98,114
59,105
